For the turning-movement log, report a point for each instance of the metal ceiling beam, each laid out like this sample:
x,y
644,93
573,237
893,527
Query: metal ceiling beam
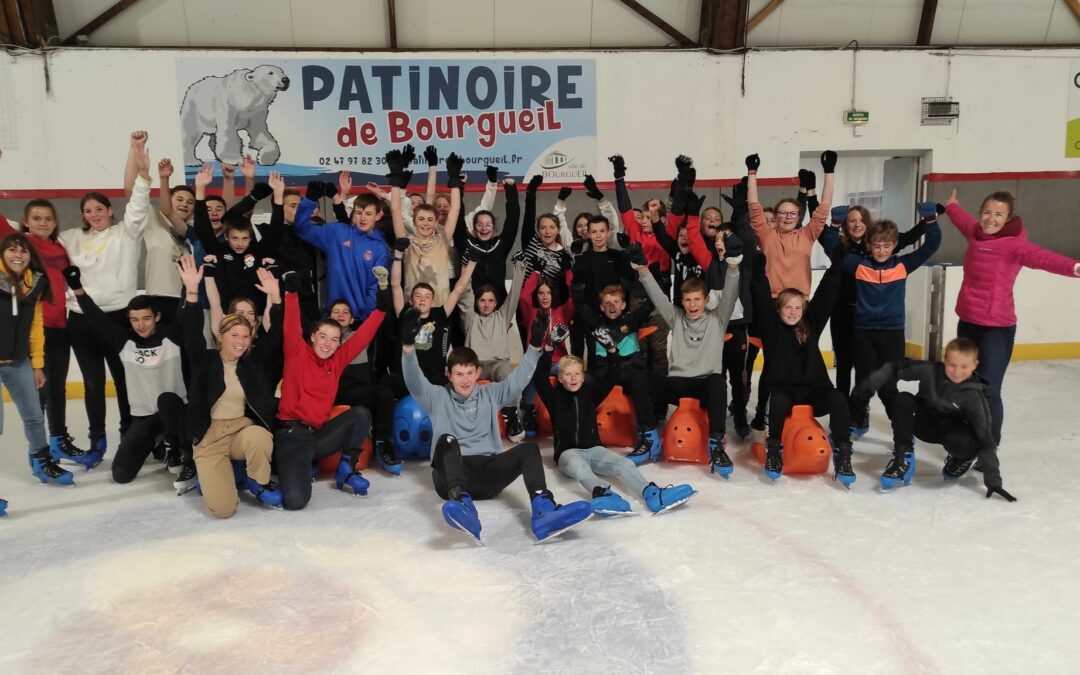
x,y
391,12
763,14
644,12
926,22
723,24
100,20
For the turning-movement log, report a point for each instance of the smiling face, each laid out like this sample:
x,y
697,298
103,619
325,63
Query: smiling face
x,y
442,208
341,313
543,296
425,221
644,221
97,215
245,309
598,236
993,216
882,249
143,321
791,307
183,203
855,226
581,227
484,227
40,222
235,341
959,366
787,216
683,240
547,229
485,304
612,305
463,379
571,376
325,339
215,208
711,220
16,259
422,299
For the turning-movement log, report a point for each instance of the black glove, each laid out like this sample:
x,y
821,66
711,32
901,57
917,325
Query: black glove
x,y
564,193
209,269
290,282
737,200
608,337
591,190
431,155
534,183
694,203
73,277
492,173
623,239
636,256
384,302
733,246
538,330
1001,491
408,154
261,191
684,165
395,162
940,208
619,165
828,161
314,190
402,244
329,189
807,179
409,326
453,172
678,191
753,162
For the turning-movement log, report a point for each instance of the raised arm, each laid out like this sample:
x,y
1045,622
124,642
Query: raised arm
x,y
106,328
919,257
659,300
509,305
204,229
463,284
512,221
432,157
455,182
757,214
820,215
961,219
165,171
213,296
559,211
541,380
228,184
137,213
401,244
528,218
487,200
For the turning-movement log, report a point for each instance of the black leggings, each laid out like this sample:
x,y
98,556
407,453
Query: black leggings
x,y
873,349
138,440
710,390
912,419
637,386
297,446
842,329
735,366
92,354
825,402
485,476
54,393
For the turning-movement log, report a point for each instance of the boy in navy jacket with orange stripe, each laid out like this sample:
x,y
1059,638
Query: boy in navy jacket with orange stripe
x,y
880,284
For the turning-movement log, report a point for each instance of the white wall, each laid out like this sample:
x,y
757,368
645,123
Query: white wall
x,y
652,105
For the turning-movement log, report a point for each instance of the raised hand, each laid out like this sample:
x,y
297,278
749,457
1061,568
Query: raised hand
x,y
344,183
564,193
828,161
165,168
618,164
139,138
636,255
807,179
73,277
839,214
190,274
268,283
409,326
408,153
205,175
431,155
277,183
492,173
952,199
247,166
534,183
753,162
591,189
228,170
539,329
453,171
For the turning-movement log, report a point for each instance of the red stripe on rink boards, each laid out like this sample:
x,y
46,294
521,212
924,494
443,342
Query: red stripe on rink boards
x,y
471,187
999,175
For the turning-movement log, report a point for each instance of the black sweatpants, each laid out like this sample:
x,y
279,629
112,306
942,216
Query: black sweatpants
x,y
735,365
92,354
825,402
138,441
911,418
357,387
636,385
485,476
842,330
711,390
54,393
873,349
297,446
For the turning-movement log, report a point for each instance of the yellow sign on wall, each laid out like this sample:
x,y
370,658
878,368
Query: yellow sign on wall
x,y
1072,128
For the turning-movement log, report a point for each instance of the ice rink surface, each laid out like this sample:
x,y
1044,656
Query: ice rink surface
x,y
797,577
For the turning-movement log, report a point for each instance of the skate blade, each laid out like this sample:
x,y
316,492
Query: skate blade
x,y
468,535
894,488
672,506
346,490
557,533
183,490
615,514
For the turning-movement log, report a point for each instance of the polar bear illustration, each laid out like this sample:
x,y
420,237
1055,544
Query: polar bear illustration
x,y
222,106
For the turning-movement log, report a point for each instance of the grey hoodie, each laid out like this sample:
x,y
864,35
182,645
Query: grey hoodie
x,y
474,420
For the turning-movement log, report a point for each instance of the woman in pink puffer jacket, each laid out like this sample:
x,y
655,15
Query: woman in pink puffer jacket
x,y
997,248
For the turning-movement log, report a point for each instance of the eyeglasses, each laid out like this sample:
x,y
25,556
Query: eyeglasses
x,y
787,214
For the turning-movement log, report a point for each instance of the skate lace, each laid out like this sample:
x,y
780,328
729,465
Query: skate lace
x,y
51,469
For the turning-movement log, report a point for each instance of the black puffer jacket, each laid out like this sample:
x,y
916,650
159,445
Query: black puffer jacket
x,y
573,413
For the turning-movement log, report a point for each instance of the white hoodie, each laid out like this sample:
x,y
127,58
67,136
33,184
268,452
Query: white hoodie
x,y
109,260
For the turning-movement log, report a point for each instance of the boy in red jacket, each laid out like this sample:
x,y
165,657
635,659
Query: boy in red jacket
x,y
308,388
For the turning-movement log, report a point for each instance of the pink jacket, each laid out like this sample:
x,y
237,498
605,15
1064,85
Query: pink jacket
x,y
991,264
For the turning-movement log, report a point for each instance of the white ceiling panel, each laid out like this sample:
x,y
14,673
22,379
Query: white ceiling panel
x,y
552,23
820,22
894,22
950,14
469,25
74,14
156,22
239,23
362,24
1014,22
1064,26
616,25
683,15
766,33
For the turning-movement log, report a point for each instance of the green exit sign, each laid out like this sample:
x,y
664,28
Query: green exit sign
x,y
856,117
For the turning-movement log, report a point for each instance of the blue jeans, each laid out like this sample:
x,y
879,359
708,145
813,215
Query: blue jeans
x,y
995,351
18,377
586,465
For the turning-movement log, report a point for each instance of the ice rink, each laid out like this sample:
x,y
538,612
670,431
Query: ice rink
x,y
797,577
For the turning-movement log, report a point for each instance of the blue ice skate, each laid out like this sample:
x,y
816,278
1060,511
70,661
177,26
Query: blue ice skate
x,y
842,470
660,499
720,463
268,494
611,504
461,515
346,475
387,459
899,472
47,471
96,453
3,508
550,519
63,449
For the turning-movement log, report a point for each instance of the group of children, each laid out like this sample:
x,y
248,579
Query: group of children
x,y
668,301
